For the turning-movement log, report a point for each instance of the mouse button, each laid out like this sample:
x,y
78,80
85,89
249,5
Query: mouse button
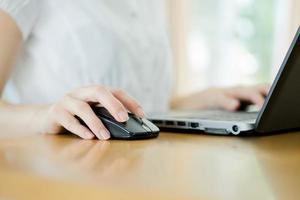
x,y
119,134
103,112
138,119
150,125
134,126
146,128
115,128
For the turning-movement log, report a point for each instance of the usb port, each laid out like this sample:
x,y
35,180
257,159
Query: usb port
x,y
194,124
181,123
170,123
157,121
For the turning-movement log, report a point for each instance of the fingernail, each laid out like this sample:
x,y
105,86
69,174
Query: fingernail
x,y
105,134
140,112
123,116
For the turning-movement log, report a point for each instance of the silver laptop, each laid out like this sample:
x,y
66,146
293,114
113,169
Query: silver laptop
x,y
281,110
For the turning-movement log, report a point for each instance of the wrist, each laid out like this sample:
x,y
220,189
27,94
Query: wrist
x,y
38,118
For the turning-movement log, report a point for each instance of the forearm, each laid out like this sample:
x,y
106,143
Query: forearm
x,y
20,119
13,118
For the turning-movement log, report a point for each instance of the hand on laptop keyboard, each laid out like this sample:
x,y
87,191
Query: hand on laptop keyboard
x,y
231,99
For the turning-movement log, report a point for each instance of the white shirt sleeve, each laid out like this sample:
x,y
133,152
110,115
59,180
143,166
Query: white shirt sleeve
x,y
24,12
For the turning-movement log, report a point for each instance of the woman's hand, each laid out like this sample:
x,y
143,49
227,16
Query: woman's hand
x,y
224,98
61,115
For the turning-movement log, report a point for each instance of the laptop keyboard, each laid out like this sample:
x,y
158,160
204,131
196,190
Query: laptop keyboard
x,y
220,115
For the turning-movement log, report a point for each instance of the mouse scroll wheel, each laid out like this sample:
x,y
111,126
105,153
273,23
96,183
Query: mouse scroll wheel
x,y
138,119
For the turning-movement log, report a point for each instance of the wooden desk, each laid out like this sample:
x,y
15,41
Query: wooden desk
x,y
173,166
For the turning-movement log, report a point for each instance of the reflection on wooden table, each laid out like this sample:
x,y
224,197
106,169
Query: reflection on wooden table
x,y
173,166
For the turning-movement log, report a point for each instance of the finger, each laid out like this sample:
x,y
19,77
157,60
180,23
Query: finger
x,y
105,98
71,124
85,112
129,103
264,89
228,103
251,95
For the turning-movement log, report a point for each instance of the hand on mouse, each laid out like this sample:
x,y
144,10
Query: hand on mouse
x,y
61,115
224,98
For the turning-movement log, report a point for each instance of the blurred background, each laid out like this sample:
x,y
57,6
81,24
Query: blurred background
x,y
225,43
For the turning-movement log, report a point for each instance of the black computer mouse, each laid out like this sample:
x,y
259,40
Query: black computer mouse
x,y
133,128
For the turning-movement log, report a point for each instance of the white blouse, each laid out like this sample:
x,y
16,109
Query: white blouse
x,y
73,43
